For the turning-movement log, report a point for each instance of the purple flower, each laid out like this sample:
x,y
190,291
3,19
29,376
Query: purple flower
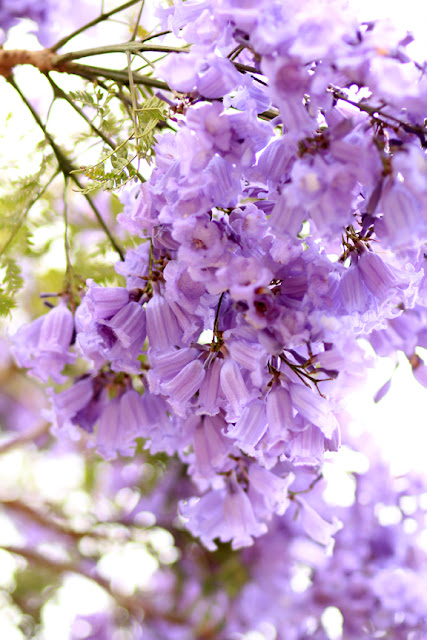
x,y
43,346
118,339
180,389
353,294
316,527
163,330
250,427
379,277
105,302
69,403
49,15
314,408
271,490
120,423
211,398
279,413
234,387
240,522
211,449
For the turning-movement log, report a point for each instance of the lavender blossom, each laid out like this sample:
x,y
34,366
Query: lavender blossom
x,y
43,346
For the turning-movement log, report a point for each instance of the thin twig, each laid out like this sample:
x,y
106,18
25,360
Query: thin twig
x,y
92,73
92,23
59,93
137,606
133,96
138,19
379,116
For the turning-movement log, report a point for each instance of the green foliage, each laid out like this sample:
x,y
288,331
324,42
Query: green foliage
x,y
116,168
85,97
11,284
113,171
18,198
99,100
149,116
34,585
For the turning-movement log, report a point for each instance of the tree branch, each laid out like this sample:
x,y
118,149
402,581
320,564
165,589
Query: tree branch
x,y
117,48
380,117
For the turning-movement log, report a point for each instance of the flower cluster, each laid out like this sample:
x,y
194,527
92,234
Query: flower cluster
x,y
277,227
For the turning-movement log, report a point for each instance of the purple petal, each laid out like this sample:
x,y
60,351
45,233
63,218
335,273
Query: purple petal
x,y
314,408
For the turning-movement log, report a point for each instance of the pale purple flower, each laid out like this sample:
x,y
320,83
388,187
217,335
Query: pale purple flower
x,y
250,427
180,389
270,489
105,302
314,408
43,345
121,421
211,397
280,415
234,387
211,449
163,330
240,522
317,527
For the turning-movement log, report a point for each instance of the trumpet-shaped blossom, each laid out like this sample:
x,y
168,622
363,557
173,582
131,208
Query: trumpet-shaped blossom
x,y
43,346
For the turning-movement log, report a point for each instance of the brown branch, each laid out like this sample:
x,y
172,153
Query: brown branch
x,y
46,61
61,567
10,58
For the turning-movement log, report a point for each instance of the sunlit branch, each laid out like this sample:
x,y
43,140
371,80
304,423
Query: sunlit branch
x,y
92,73
117,48
100,219
45,517
59,93
138,19
132,95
